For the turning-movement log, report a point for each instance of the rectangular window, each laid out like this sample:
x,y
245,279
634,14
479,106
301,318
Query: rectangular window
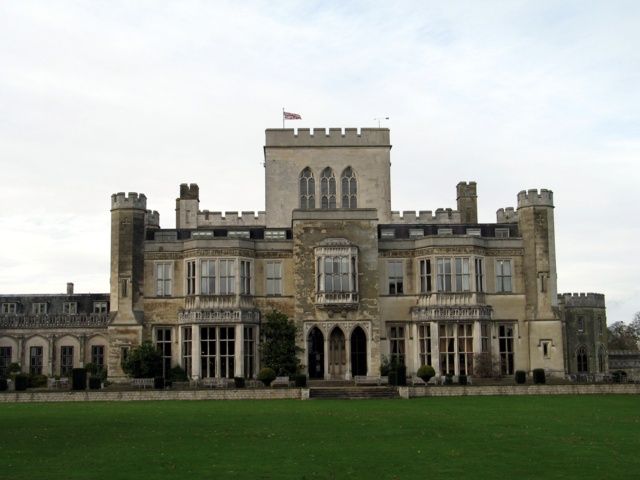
x,y
97,356
465,348
187,342
124,290
39,308
35,360
275,235
479,264
443,278
580,324
503,276
208,351
99,307
227,351
396,344
424,339
445,231
387,233
245,277
416,232
208,277
546,348
474,232
9,308
249,352
191,277
239,234
505,343
163,279
70,308
502,233
274,278
447,343
5,361
462,275
66,361
395,277
425,276
163,344
336,274
227,277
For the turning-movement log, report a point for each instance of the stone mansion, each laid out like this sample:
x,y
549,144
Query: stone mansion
x,y
360,281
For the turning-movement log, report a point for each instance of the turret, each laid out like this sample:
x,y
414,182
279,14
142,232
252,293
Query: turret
x,y
187,206
467,199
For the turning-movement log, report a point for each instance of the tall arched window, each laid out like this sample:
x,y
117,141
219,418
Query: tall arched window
x,y
583,362
349,189
307,189
328,189
601,359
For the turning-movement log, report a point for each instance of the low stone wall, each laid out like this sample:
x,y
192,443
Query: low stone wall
x,y
460,391
138,395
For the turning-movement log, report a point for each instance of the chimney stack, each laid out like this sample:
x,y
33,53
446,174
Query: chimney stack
x,y
70,288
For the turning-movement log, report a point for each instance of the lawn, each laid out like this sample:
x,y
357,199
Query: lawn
x,y
467,437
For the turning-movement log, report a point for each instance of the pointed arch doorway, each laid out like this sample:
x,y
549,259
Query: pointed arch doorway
x,y
337,354
358,352
315,353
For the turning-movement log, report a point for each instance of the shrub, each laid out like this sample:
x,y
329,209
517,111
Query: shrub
x,y
79,379
22,381
143,361
300,381
178,374
239,381
485,366
95,383
92,368
3,384
521,377
426,373
385,366
278,348
462,379
393,376
539,376
266,376
37,381
14,367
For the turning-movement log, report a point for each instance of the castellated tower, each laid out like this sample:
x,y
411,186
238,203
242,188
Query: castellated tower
x,y
128,214
187,206
467,200
536,225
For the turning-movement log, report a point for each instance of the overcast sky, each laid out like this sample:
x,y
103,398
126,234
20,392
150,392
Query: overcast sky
x,y
106,96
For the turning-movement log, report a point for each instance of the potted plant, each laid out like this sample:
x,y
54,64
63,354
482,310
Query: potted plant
x,y
426,373
266,376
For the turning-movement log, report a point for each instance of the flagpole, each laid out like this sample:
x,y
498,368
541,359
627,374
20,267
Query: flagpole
x,y
283,118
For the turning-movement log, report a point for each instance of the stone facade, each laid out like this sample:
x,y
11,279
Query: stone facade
x,y
363,283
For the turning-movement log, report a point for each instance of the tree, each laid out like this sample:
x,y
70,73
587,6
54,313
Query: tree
x,y
143,361
278,348
623,336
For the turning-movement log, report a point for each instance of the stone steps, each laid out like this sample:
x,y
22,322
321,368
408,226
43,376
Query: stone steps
x,y
352,393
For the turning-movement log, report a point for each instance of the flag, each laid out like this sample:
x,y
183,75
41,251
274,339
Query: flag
x,y
291,116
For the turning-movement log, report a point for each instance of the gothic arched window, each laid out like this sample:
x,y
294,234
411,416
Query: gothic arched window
x,y
327,189
307,190
601,359
583,362
349,189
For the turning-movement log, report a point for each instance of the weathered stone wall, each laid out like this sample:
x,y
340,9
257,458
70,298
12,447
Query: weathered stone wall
x,y
461,391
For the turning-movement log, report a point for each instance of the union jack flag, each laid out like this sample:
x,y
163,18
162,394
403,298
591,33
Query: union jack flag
x,y
291,116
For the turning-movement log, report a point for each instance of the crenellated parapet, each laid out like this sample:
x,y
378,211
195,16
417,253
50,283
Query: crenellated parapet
x,y
533,197
231,219
189,191
506,215
133,200
589,300
333,137
442,215
152,219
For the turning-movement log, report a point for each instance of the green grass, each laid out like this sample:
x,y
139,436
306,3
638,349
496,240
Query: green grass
x,y
468,437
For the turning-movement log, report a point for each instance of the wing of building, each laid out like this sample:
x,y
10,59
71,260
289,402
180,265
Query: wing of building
x,y
362,282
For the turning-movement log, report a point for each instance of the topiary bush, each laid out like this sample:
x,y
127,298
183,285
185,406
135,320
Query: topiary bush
x,y
95,383
22,381
539,376
300,381
3,384
426,373
79,379
239,382
521,377
266,376
178,374
462,379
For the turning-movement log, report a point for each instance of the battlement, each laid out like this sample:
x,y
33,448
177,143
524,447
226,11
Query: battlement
x,y
132,200
466,189
231,219
591,300
534,198
333,137
189,191
506,215
442,215
152,219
